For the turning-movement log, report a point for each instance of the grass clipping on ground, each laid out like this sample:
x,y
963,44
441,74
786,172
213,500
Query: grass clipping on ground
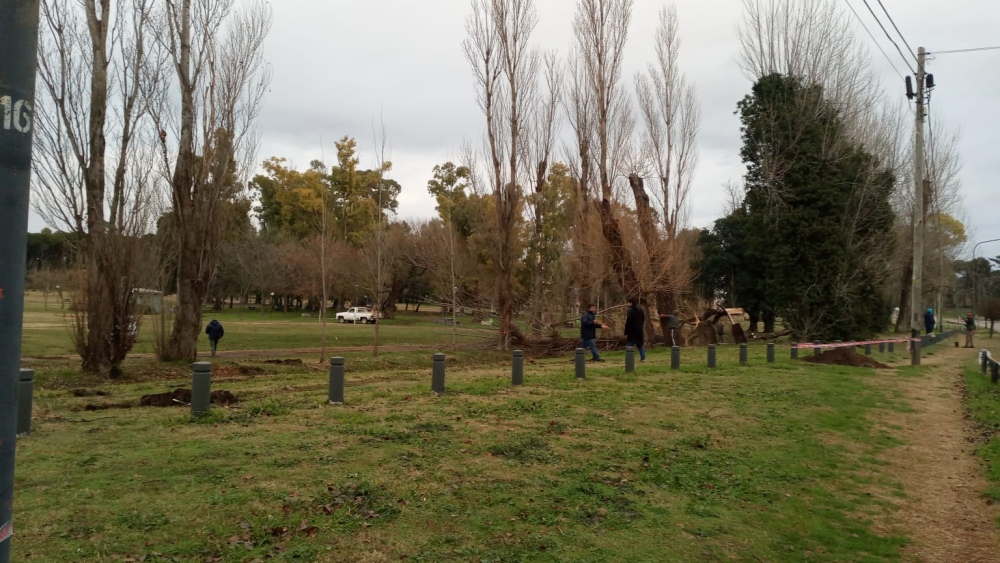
x,y
740,463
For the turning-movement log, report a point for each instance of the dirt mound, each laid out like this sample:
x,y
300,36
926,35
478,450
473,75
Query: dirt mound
x,y
289,362
89,393
107,406
845,357
179,397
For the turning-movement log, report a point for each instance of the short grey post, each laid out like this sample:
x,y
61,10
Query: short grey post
x,y
881,347
581,364
711,356
25,389
336,393
770,352
517,368
201,388
795,351
744,355
816,348
629,359
983,361
892,347
675,357
995,373
868,349
437,378
915,351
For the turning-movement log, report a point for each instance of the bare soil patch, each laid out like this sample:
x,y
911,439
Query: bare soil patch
x,y
180,397
845,357
286,362
945,512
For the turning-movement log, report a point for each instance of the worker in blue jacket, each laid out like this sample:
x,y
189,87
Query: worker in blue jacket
x,y
929,321
588,331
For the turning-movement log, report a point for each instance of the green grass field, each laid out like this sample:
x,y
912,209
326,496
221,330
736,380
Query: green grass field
x,y
47,332
983,403
762,462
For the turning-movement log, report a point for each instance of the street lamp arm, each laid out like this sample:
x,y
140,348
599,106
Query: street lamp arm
x,y
977,245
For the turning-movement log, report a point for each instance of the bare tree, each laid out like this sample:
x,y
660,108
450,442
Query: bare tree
x,y
216,53
601,116
97,69
544,130
505,70
671,116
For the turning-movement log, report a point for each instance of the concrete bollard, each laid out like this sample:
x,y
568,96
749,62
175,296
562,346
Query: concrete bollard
x,y
201,388
744,355
770,352
25,390
336,392
711,356
892,347
629,359
983,361
816,348
675,357
881,347
868,349
581,363
995,373
517,368
795,351
437,375
915,347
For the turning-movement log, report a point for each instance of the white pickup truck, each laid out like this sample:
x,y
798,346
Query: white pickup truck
x,y
357,315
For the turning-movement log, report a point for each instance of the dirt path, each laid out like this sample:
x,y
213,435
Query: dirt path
x,y
944,512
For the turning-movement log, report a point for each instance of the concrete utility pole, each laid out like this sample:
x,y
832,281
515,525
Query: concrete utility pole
x,y
918,202
18,49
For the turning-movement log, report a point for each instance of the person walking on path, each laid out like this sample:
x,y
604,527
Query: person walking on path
x,y
214,331
929,321
588,331
635,326
970,331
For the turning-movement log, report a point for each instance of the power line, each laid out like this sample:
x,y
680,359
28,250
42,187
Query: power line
x,y
886,31
896,27
967,50
872,35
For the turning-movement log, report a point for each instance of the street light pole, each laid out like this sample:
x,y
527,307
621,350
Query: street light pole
x,y
18,50
978,244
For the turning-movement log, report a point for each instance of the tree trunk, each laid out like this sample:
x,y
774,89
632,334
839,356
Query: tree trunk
x,y
769,321
191,292
620,259
903,320
538,270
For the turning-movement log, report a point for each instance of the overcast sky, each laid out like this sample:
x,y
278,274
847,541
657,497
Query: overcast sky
x,y
340,64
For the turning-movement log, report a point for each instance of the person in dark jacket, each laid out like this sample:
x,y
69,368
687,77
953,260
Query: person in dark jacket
x,y
214,331
970,331
929,321
588,331
635,326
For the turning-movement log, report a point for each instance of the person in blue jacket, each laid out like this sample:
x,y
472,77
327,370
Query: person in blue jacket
x,y
214,331
929,321
588,331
